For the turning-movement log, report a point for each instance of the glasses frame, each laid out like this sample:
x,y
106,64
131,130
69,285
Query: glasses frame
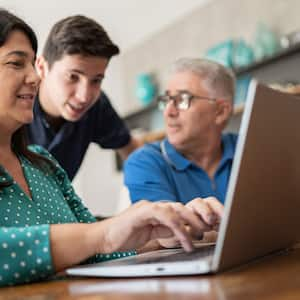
x,y
181,101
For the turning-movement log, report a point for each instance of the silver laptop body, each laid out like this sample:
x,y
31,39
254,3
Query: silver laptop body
x,y
262,203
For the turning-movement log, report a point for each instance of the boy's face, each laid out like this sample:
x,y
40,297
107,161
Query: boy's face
x,y
71,86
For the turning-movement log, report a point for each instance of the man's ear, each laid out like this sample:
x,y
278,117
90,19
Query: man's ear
x,y
223,112
41,66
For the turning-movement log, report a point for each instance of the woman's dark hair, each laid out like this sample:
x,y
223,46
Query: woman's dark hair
x,y
8,24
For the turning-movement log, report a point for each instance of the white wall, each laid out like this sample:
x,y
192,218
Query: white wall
x,y
128,22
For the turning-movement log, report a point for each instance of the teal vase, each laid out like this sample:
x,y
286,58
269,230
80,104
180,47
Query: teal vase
x,y
145,89
266,42
243,54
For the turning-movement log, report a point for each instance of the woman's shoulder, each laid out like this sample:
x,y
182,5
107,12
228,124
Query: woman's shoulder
x,y
41,151
44,153
54,165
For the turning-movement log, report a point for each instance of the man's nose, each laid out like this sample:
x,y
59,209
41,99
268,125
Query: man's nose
x,y
171,108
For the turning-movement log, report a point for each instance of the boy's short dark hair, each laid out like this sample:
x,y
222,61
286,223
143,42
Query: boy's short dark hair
x,y
78,35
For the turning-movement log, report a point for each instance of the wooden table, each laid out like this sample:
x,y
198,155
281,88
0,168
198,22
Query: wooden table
x,y
276,277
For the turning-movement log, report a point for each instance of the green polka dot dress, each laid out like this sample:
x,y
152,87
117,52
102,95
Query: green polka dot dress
x,y
25,253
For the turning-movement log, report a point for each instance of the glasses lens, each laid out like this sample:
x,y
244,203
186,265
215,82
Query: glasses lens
x,y
183,102
162,102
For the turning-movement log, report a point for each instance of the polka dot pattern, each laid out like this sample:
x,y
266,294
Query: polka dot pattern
x,y
24,221
21,257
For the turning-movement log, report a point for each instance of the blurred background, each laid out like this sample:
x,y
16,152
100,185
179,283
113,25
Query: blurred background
x,y
257,38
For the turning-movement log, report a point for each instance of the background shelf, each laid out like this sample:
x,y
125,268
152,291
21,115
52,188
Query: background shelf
x,y
281,68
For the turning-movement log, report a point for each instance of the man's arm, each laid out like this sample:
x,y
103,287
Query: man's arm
x,y
133,144
136,142
146,176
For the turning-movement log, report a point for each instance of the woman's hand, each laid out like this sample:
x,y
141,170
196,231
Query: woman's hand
x,y
143,222
209,211
146,221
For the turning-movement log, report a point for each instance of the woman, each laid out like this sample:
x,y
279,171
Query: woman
x,y
44,225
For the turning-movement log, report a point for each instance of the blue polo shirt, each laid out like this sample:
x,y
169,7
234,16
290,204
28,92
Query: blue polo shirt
x,y
101,124
159,172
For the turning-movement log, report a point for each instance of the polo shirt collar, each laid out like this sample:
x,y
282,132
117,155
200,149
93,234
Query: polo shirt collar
x,y
175,158
228,149
180,163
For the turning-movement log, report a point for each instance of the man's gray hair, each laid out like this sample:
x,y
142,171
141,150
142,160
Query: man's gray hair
x,y
219,80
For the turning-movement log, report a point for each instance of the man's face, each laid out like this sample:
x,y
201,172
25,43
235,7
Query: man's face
x,y
186,128
71,86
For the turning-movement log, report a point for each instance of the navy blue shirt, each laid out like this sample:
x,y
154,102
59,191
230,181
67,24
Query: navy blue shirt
x,y
159,172
101,124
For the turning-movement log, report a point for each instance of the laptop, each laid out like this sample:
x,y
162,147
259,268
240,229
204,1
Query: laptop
x,y
262,207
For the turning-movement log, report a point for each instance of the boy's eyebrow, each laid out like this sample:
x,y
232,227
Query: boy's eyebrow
x,y
82,73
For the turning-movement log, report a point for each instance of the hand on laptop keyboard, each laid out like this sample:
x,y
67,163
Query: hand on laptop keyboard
x,y
166,222
209,211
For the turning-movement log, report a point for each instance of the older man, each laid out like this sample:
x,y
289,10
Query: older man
x,y
195,159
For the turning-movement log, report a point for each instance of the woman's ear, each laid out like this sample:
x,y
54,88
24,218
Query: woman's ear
x,y
223,112
41,66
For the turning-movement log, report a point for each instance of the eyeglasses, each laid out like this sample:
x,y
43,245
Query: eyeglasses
x,y
181,101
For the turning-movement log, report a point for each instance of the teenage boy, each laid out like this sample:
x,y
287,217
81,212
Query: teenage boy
x,y
70,110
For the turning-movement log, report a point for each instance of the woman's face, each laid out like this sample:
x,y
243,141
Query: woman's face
x,y
18,81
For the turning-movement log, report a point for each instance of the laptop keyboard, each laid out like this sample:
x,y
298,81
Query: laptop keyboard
x,y
180,255
163,256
